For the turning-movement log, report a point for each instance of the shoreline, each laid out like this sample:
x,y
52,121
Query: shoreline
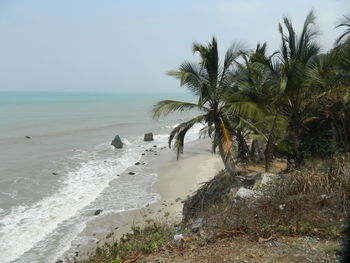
x,y
176,180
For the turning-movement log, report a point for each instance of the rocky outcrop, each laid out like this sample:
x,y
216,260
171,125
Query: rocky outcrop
x,y
148,137
117,142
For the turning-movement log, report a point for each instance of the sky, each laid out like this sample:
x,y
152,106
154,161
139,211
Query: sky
x,y
129,45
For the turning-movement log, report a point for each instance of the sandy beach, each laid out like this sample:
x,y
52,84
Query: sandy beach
x,y
177,180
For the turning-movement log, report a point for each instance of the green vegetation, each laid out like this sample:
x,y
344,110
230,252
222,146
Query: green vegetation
x,y
293,103
141,241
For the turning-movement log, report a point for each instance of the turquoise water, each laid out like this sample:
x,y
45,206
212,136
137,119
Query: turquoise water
x,y
33,113
51,184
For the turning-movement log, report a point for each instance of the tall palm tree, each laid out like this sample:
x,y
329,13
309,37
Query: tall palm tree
x,y
257,80
209,81
297,57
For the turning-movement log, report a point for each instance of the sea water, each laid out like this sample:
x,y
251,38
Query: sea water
x,y
52,182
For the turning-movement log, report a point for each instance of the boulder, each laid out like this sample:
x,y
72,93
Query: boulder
x,y
148,137
117,142
131,173
98,211
244,193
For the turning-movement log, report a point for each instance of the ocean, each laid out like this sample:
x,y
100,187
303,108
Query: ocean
x,y
52,182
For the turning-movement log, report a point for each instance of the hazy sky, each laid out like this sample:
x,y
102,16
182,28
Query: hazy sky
x,y
128,45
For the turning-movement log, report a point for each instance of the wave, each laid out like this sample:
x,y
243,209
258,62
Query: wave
x,y
28,227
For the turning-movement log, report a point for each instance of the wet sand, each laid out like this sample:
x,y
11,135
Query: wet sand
x,y
177,180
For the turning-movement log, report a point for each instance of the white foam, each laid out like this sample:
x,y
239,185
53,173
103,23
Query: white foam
x,y
24,227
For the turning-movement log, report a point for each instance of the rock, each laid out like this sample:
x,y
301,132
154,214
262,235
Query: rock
x,y
131,173
155,146
243,193
54,173
28,137
137,163
198,223
118,175
148,137
178,199
117,142
59,261
142,154
76,253
98,211
265,180
166,214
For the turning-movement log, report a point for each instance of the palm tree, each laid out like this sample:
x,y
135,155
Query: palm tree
x,y
345,23
297,57
257,80
209,81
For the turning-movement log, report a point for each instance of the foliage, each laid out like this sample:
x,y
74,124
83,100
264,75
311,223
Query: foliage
x,y
141,241
296,100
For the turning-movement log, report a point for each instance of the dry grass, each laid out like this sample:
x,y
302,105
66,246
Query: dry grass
x,y
311,202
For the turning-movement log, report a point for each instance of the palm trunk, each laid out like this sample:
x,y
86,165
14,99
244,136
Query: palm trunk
x,y
298,154
269,146
242,147
228,160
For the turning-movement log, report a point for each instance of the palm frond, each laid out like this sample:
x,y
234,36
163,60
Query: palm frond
x,y
165,107
179,133
248,109
345,23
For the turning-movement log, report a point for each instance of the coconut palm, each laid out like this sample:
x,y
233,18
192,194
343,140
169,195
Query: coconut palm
x,y
297,56
209,81
257,79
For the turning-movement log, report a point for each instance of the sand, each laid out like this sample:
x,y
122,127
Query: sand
x,y
177,180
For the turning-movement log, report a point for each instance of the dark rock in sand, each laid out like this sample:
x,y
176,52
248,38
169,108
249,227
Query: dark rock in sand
x,y
59,261
76,253
138,163
54,173
142,154
118,174
28,137
98,211
148,137
131,173
117,142
155,146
